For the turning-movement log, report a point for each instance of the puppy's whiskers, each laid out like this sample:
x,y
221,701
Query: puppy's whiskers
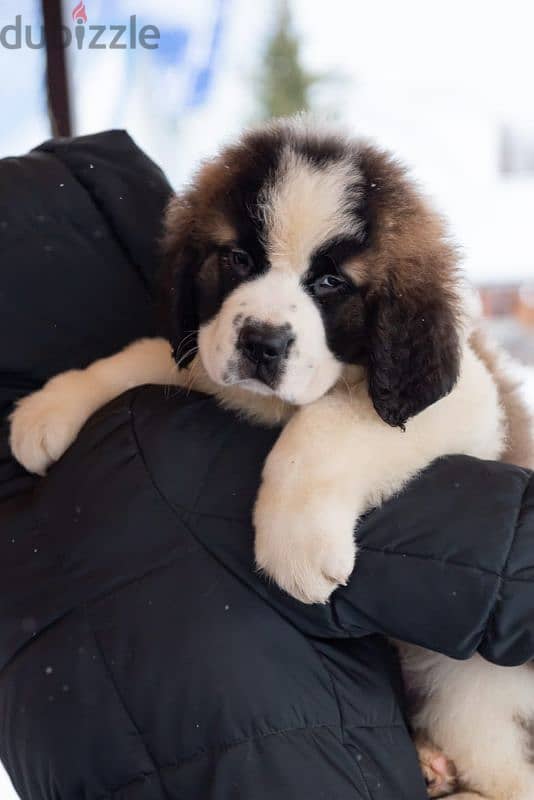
x,y
186,339
348,387
180,357
172,380
192,377
186,355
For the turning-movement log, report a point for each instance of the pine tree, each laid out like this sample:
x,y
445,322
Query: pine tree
x,y
285,83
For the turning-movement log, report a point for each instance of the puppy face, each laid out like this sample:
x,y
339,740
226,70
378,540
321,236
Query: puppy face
x,y
296,254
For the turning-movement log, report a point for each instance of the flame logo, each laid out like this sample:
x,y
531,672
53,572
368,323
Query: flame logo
x,y
79,14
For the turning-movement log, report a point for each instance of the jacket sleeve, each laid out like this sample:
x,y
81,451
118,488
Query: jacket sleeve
x,y
449,564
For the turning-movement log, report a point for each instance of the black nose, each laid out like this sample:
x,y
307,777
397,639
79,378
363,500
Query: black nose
x,y
265,346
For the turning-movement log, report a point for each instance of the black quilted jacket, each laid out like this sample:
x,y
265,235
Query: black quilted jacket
x,y
141,658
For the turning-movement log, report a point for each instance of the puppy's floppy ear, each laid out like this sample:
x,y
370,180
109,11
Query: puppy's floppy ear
x,y
414,351
181,260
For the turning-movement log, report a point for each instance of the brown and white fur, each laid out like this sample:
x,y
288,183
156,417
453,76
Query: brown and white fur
x,y
312,285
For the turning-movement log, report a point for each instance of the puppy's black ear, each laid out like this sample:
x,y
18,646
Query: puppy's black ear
x,y
414,350
180,266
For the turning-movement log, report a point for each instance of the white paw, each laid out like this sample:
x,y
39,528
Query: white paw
x,y
45,424
308,549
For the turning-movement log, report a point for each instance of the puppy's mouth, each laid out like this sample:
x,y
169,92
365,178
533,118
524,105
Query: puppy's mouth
x,y
252,375
249,384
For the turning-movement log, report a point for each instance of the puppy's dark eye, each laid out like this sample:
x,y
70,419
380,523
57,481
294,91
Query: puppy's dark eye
x,y
240,261
328,285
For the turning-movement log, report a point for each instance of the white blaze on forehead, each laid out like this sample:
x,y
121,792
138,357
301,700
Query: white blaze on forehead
x,y
307,206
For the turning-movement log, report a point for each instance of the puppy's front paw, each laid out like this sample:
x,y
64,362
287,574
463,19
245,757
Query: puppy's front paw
x,y
307,548
45,423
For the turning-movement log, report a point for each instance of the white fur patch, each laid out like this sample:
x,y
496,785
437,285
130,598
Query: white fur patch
x,y
472,712
306,207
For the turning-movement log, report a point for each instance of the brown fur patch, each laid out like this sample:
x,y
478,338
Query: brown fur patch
x,y
222,232
356,269
518,417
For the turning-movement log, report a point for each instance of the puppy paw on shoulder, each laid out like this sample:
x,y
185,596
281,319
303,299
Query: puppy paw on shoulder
x,y
307,550
44,424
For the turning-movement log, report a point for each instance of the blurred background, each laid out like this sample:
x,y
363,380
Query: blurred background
x,y
446,85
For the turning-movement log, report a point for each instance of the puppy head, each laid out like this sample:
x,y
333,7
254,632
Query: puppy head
x,y
295,254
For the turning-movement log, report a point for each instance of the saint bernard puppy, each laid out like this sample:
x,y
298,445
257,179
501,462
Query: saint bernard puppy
x,y
311,285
